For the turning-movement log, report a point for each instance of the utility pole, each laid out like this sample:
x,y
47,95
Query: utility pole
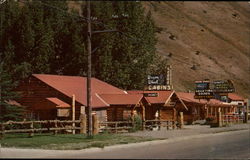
x,y
89,98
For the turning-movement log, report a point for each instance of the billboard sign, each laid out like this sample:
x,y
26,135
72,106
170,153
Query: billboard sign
x,y
156,79
156,83
203,90
223,86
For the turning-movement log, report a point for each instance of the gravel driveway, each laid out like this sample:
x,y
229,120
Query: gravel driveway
x,y
189,130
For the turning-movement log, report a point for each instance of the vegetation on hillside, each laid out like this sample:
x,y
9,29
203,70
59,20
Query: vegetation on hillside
x,y
48,37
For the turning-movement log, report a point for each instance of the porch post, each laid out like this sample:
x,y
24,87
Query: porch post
x,y
174,118
143,117
219,118
159,118
181,120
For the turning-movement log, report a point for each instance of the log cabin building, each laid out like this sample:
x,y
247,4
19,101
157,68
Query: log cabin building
x,y
237,100
200,109
50,96
124,106
161,105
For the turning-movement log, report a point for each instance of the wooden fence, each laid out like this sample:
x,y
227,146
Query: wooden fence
x,y
232,119
158,124
115,127
66,126
39,126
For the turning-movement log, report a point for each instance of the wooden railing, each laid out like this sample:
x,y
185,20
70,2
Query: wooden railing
x,y
38,126
231,119
168,124
116,126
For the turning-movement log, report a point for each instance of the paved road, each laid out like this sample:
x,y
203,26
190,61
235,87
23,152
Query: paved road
x,y
227,145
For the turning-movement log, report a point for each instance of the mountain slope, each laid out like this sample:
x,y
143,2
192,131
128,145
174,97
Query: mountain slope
x,y
204,40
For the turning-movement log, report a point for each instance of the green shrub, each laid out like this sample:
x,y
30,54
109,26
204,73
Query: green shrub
x,y
137,123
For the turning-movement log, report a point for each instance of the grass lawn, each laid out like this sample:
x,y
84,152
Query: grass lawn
x,y
67,141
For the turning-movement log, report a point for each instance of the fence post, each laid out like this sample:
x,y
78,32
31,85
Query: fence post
x,y
167,125
245,117
2,131
116,127
173,126
219,119
133,122
159,124
83,124
143,125
55,132
181,120
95,124
32,129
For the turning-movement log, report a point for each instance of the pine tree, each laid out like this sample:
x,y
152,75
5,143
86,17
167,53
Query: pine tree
x,y
8,111
38,38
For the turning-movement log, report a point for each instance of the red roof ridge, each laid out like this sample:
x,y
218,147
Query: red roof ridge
x,y
58,101
121,99
102,99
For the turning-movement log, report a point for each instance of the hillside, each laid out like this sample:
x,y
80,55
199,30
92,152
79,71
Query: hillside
x,y
204,40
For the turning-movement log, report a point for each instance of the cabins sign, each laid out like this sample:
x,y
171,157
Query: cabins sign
x,y
156,79
204,90
156,82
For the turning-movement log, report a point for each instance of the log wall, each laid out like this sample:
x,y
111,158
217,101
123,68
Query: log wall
x,y
33,95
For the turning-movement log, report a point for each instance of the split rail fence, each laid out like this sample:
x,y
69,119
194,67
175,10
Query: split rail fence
x,y
158,124
79,126
39,126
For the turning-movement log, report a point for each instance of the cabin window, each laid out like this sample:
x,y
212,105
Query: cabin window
x,y
126,114
63,112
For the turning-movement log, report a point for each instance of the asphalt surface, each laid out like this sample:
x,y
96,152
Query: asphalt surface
x,y
226,145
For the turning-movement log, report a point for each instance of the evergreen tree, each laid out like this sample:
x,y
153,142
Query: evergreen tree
x,y
40,37
8,111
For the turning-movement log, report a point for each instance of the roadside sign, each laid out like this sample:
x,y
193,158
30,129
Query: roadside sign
x,y
219,87
203,90
156,79
150,94
223,86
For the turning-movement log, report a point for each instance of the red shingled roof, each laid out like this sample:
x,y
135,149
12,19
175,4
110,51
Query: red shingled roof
x,y
189,97
76,85
122,99
163,96
58,102
235,97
